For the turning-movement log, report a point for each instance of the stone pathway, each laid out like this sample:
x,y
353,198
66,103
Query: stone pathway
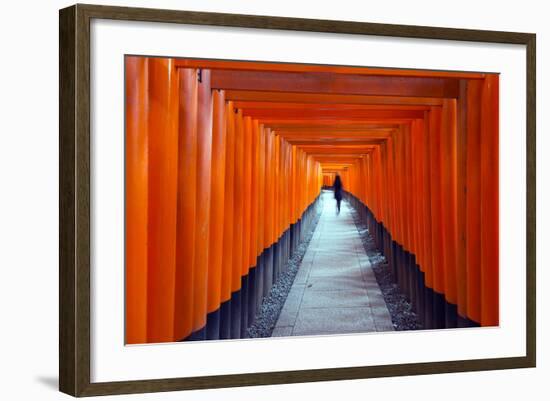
x,y
335,290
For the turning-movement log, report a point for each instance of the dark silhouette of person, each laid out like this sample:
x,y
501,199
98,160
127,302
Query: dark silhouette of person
x,y
337,186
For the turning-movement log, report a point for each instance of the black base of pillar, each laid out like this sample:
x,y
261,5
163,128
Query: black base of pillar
x,y
275,263
225,320
438,311
199,335
259,281
236,315
464,322
268,272
451,315
251,295
428,308
244,305
213,325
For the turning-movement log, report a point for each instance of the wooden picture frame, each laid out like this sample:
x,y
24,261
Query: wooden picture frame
x,y
74,199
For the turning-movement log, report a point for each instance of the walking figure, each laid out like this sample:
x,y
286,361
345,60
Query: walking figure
x,y
337,191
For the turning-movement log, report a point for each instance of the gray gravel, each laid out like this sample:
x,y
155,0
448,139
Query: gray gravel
x,y
273,304
402,315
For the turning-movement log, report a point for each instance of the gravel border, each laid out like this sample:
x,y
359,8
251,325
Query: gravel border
x,y
267,317
402,315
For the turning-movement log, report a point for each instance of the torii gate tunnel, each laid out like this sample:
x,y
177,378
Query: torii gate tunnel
x,y
225,161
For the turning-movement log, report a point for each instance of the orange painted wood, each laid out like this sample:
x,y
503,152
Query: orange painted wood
x,y
337,145
186,203
299,182
392,186
162,194
294,189
247,185
296,67
385,216
268,203
238,206
420,193
216,256
276,189
282,185
438,271
319,127
229,280
426,174
288,189
254,192
415,198
323,98
449,196
407,187
490,201
204,182
473,201
247,176
462,155
400,190
324,114
326,82
378,180
261,188
256,107
136,163
333,121
273,188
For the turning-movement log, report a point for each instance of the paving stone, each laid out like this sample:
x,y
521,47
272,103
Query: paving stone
x,y
282,331
383,325
331,299
352,272
287,317
382,318
302,275
311,321
377,301
294,299
333,283
335,290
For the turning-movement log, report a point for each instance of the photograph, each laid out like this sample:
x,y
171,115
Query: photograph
x,y
274,199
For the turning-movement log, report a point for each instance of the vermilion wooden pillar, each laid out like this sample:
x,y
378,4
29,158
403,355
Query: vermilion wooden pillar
x,y
253,279
390,145
186,203
254,191
449,201
427,196
217,209
461,182
261,188
228,281
236,302
276,188
418,191
204,170
294,180
247,191
136,200
246,127
438,252
490,201
162,198
473,200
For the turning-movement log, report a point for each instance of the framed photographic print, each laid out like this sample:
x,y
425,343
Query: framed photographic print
x,y
250,200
